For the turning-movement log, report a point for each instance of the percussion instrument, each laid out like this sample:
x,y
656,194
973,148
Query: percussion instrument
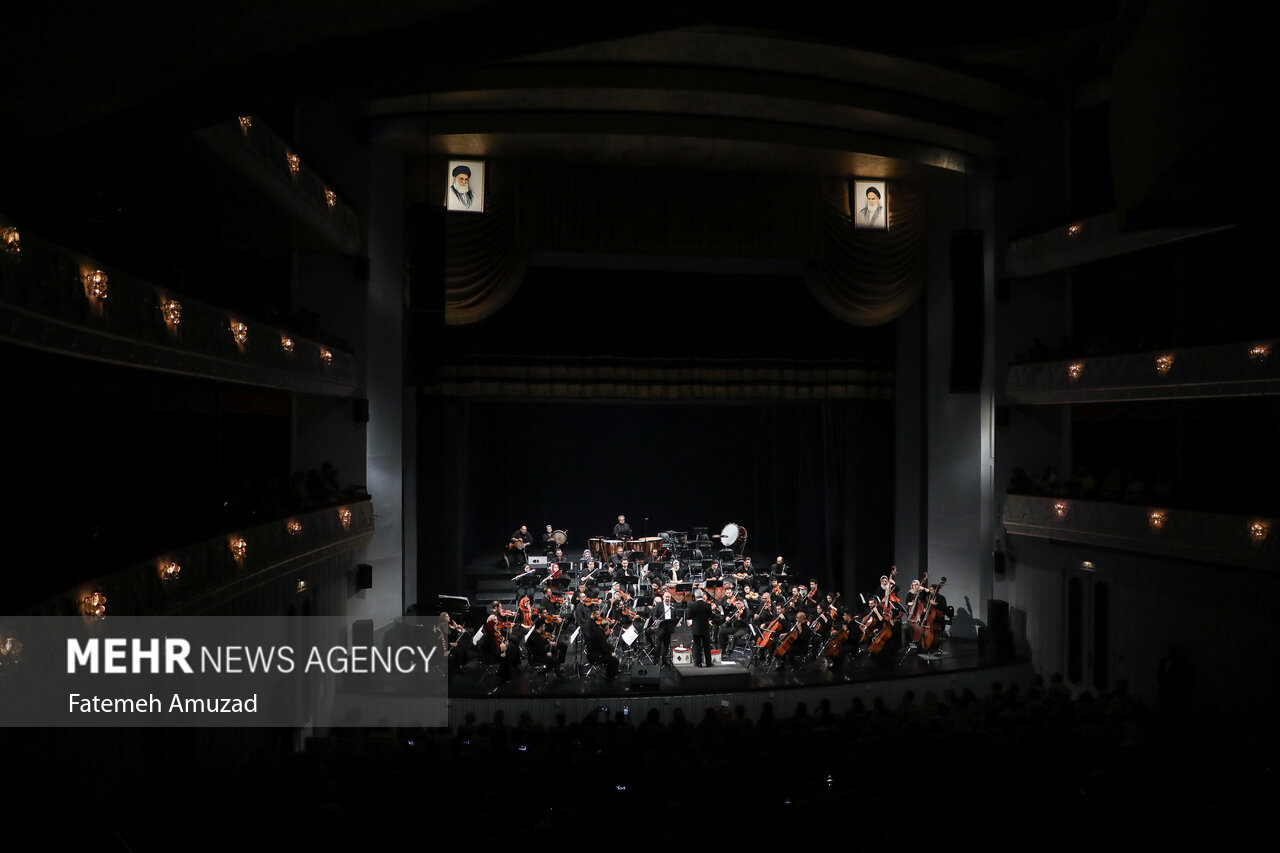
x,y
647,545
606,548
733,535
560,536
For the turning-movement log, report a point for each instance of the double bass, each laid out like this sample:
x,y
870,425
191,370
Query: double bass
x,y
933,620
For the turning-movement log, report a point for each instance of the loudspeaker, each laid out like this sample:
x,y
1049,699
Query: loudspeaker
x,y
997,615
362,632
646,675
364,576
360,410
966,312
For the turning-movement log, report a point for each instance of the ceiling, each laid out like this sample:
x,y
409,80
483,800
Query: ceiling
x,y
826,88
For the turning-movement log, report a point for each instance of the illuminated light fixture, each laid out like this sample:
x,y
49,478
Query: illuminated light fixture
x,y
94,607
301,586
326,356
10,240
1074,369
1259,353
1074,230
239,548
1060,509
10,651
1088,566
1164,363
239,332
295,165
294,527
171,310
95,284
169,570
246,122
286,343
1156,518
330,197
1259,530
344,518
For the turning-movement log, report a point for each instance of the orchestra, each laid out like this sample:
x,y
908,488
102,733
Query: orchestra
x,y
628,596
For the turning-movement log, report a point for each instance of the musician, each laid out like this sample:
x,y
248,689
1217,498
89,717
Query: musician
x,y
597,645
524,536
675,571
779,569
514,555
663,617
747,568
549,543
581,609
735,628
622,530
491,641
815,595
558,557
526,582
714,572
795,656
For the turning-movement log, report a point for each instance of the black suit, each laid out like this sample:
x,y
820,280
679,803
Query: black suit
x,y
597,646
666,623
700,615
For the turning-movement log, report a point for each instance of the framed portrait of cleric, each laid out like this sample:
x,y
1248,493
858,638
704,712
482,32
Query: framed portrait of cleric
x,y
870,204
465,190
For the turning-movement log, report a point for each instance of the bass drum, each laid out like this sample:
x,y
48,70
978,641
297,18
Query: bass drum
x,y
733,535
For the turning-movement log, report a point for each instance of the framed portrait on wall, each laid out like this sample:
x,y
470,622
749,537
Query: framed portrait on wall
x,y
869,204
465,190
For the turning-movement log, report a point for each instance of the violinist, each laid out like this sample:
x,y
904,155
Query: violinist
x,y
492,643
597,645
736,624
581,604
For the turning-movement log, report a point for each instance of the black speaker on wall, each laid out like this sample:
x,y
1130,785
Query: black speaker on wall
x,y
364,576
362,632
966,312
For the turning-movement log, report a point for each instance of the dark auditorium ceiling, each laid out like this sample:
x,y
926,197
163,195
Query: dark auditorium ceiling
x,y
825,88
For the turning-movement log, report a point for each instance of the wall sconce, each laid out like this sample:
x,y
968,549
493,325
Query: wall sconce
x,y
330,198
10,240
10,651
326,356
1074,369
1074,230
93,607
301,585
1060,509
1259,530
1259,353
239,332
1087,566
1164,363
294,527
1156,518
239,548
246,122
344,518
295,165
169,571
95,284
286,343
171,310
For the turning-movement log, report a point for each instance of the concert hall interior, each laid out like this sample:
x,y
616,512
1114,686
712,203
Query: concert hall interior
x,y
982,297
